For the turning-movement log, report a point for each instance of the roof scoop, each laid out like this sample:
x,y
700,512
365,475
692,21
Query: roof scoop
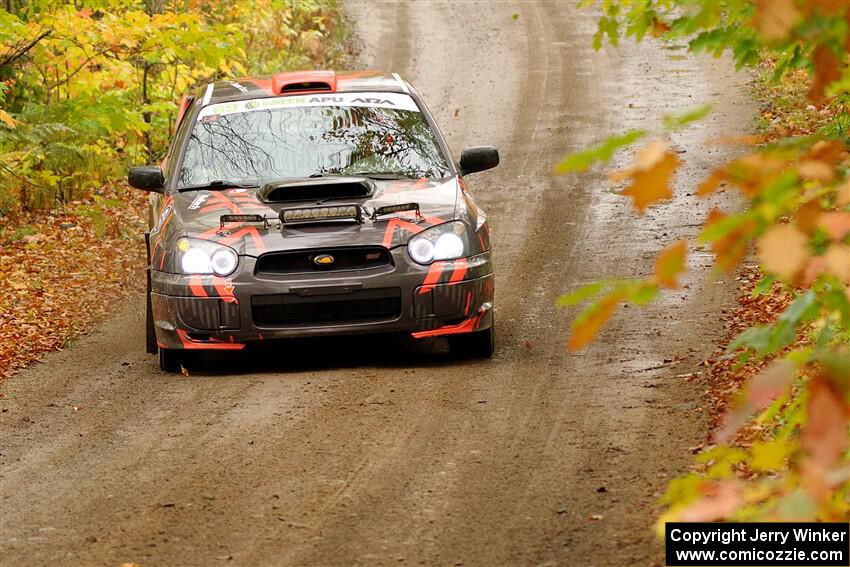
x,y
304,81
319,189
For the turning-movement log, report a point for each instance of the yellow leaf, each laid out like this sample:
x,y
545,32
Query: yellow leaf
x,y
588,324
770,455
7,120
670,263
783,250
650,175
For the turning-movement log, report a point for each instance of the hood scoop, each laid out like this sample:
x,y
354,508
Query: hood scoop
x,y
316,189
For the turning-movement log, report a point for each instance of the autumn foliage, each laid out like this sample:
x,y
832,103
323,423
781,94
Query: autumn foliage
x,y
781,448
90,87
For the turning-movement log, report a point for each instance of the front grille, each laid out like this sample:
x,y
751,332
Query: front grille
x,y
285,310
302,261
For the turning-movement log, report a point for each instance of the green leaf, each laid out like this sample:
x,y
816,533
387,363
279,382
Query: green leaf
x,y
580,161
641,293
764,286
676,121
581,294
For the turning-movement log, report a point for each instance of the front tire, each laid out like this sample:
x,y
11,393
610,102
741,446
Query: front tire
x,y
479,344
170,360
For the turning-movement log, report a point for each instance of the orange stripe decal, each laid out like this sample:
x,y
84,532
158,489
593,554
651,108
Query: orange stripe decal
x,y
464,327
196,285
432,277
460,271
189,344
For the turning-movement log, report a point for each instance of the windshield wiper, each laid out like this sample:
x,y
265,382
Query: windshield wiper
x,y
218,184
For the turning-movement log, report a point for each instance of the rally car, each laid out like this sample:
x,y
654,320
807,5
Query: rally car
x,y
313,203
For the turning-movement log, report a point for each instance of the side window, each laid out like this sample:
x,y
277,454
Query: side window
x,y
172,157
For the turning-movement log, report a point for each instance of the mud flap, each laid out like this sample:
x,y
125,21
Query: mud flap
x,y
150,331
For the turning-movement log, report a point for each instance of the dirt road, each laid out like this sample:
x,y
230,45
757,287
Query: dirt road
x,y
384,452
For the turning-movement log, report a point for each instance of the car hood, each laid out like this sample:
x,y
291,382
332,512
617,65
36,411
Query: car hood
x,y
199,212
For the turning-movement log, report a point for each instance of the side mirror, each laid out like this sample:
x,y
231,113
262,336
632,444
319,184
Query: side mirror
x,y
478,158
147,178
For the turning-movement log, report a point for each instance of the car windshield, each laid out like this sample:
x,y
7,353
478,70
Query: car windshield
x,y
243,141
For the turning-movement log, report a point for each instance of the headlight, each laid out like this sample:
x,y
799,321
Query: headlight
x,y
198,256
446,241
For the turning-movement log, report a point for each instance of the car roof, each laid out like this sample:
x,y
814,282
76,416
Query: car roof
x,y
300,82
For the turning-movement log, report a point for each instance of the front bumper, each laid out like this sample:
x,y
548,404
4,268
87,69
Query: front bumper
x,y
214,313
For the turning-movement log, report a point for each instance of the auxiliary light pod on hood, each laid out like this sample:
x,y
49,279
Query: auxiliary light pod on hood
x,y
400,208
243,218
344,212
326,213
316,189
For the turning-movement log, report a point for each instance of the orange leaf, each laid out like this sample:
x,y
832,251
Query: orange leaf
x,y
836,224
843,197
783,250
731,248
754,171
816,267
827,70
650,175
770,383
775,19
825,435
671,263
816,169
808,216
830,151
588,324
837,262
659,28
711,183
719,501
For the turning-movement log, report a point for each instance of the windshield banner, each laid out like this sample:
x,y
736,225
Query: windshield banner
x,y
398,101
